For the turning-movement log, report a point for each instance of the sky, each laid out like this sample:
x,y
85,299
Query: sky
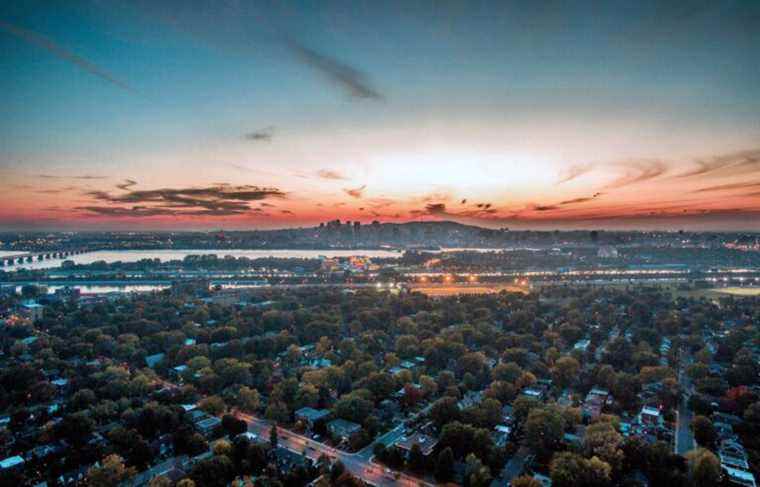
x,y
546,114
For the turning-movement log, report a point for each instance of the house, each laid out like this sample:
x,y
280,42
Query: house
x,y
507,414
594,402
470,399
153,360
33,311
343,430
732,454
582,345
312,416
11,463
740,477
208,427
427,443
320,363
537,393
178,370
650,416
395,370
500,435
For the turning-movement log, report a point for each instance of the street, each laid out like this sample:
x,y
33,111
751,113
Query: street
x,y
684,437
359,464
513,468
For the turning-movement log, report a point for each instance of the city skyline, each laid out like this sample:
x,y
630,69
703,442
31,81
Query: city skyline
x,y
193,115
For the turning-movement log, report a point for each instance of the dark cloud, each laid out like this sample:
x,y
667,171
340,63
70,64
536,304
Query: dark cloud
x,y
126,184
355,192
639,171
435,208
575,201
287,212
217,200
330,174
63,53
573,172
261,135
348,78
545,207
733,163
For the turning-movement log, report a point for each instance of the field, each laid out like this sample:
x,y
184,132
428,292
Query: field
x,y
454,289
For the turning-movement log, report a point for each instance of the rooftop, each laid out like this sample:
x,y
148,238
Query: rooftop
x,y
427,443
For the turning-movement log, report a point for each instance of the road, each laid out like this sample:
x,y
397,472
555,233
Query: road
x,y
684,437
359,464
513,468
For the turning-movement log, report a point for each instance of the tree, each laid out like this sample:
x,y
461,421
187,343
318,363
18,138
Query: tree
x,y
566,371
444,465
570,469
476,474
233,426
416,459
752,416
704,468
213,472
213,405
222,447
544,429
273,440
160,481
522,406
704,431
111,472
249,399
525,481
429,387
603,441
508,372
444,411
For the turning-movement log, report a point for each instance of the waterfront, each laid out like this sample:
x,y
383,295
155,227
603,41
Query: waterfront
x,y
168,255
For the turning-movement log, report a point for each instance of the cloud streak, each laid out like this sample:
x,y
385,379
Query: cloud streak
x,y
735,162
217,200
574,172
639,171
346,77
330,174
261,135
730,186
86,177
63,53
357,193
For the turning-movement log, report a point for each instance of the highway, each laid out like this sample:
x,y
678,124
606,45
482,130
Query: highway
x,y
359,464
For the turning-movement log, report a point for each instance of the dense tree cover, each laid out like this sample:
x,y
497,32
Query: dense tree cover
x,y
344,351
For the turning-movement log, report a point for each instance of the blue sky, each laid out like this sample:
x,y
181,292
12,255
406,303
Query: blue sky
x,y
164,93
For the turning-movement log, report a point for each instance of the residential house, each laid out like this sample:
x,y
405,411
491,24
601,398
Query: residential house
x,y
311,416
427,443
343,430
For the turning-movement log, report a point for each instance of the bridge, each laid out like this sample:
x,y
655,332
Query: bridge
x,y
29,257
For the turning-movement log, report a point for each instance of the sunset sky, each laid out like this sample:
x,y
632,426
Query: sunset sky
x,y
148,114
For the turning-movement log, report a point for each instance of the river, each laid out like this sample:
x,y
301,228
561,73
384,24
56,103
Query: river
x,y
167,255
